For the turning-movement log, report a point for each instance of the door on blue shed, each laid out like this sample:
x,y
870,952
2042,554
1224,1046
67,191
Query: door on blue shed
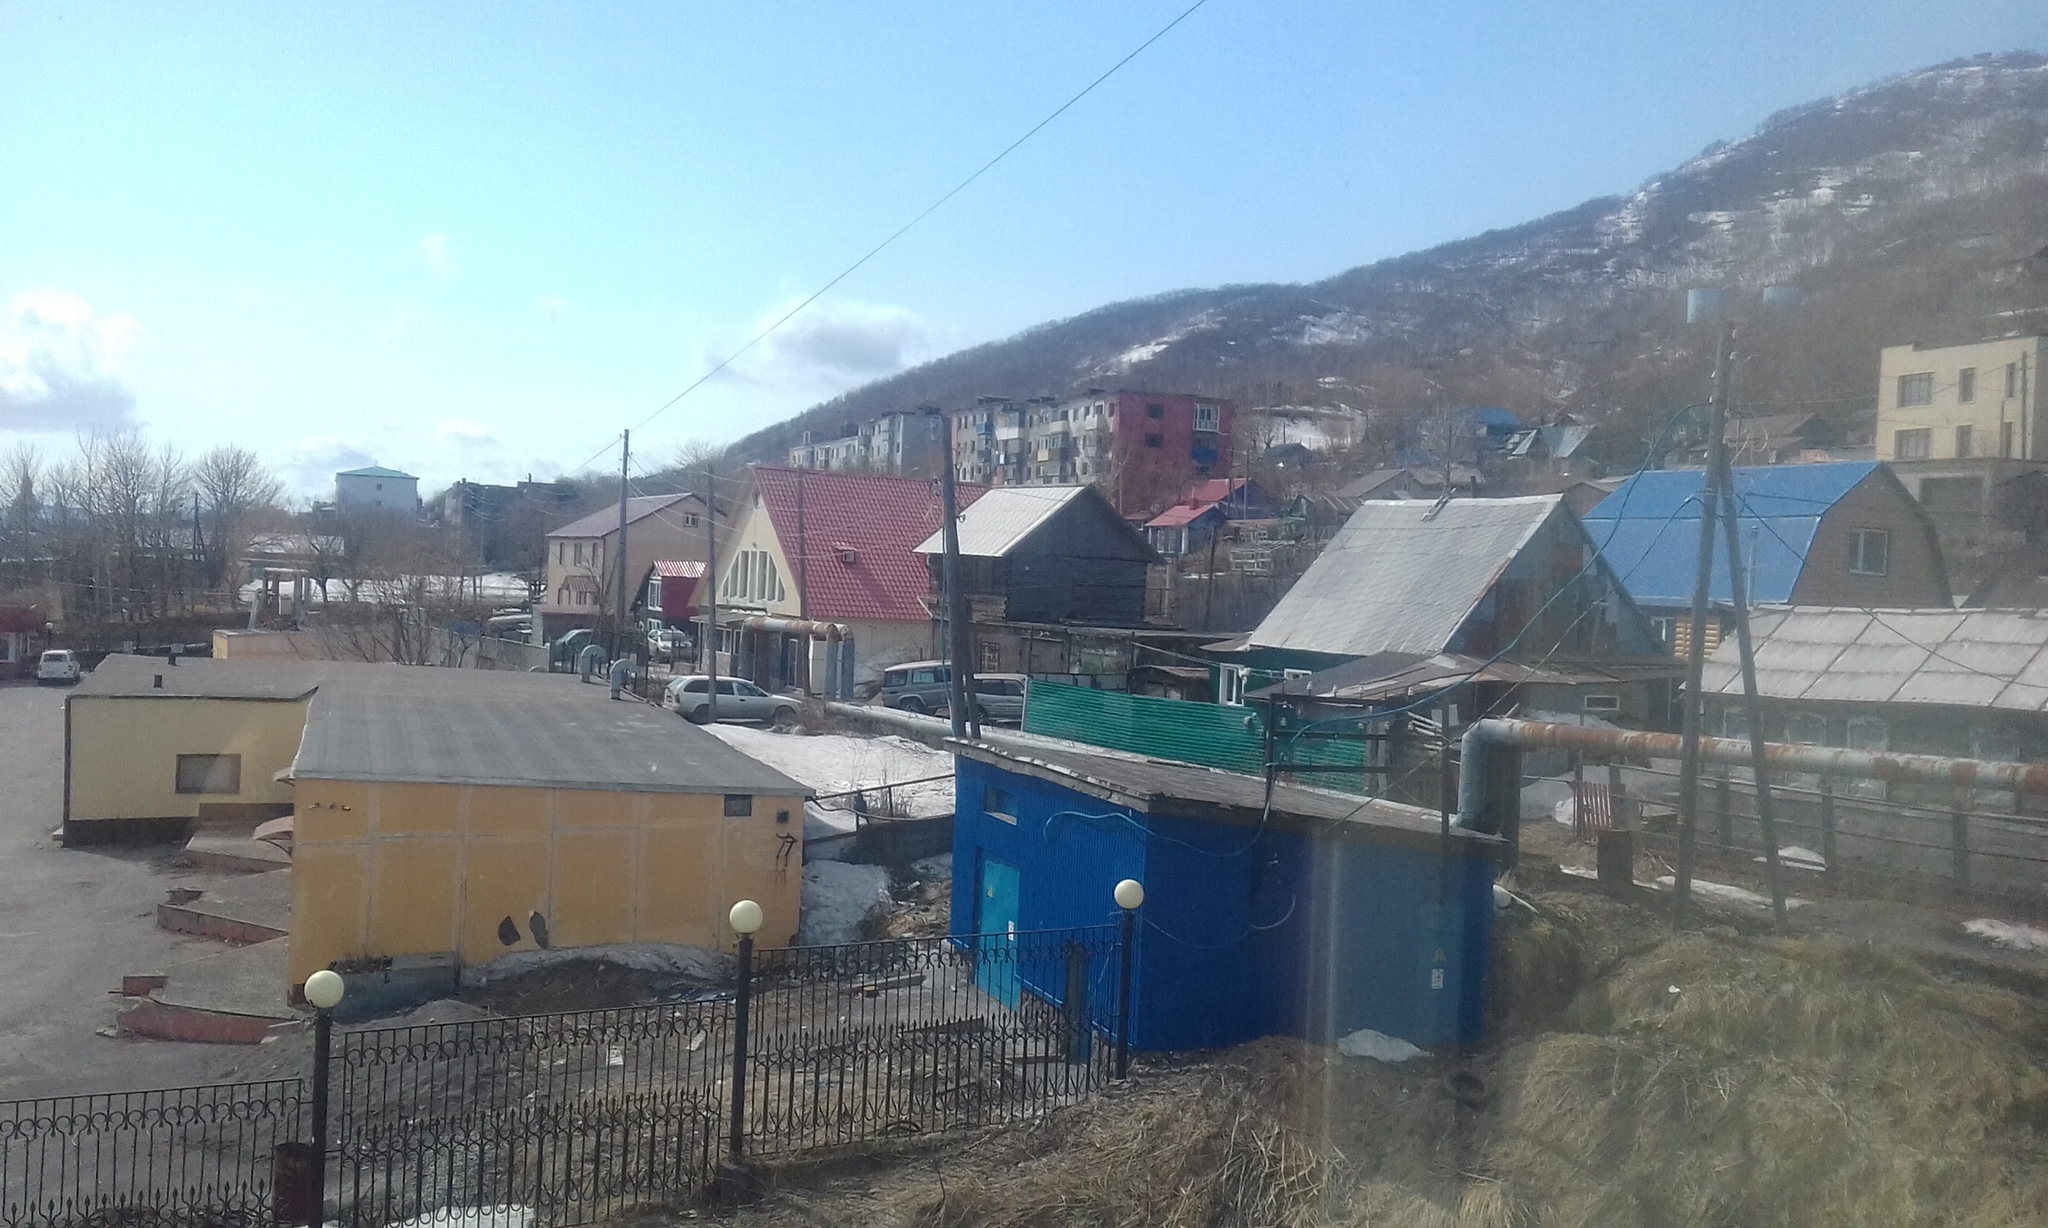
x,y
995,921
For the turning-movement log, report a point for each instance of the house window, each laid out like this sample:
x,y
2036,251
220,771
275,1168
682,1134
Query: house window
x,y
1966,385
209,773
1205,417
689,520
738,805
991,657
1666,628
1870,552
998,804
1911,445
654,594
1230,681
1963,441
561,553
1603,703
1916,389
579,552
1155,411
1153,441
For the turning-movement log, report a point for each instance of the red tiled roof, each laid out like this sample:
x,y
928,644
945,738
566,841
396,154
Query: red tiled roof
x,y
688,569
1179,514
1215,490
879,518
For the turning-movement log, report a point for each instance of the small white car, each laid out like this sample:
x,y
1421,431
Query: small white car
x,y
738,700
58,667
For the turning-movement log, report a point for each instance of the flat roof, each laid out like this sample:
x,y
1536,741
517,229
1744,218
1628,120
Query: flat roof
x,y
1186,790
134,677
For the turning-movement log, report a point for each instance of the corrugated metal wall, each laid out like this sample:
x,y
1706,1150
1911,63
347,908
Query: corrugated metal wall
x,y
1213,735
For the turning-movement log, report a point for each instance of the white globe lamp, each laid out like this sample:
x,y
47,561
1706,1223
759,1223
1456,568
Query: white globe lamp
x,y
324,989
1130,894
745,918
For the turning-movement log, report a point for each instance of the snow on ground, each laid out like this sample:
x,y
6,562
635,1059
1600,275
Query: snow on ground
x,y
1377,1045
1797,857
835,762
837,898
1727,894
2008,934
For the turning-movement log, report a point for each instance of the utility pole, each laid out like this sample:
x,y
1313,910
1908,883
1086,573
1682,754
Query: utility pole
x,y
1696,649
955,600
1738,596
619,613
707,647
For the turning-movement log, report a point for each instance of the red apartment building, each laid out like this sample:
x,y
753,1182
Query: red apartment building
x,y
1142,448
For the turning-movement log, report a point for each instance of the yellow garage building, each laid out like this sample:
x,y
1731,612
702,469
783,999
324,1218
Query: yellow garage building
x,y
463,813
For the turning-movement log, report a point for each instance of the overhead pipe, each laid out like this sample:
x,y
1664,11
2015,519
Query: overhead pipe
x,y
838,639
1784,756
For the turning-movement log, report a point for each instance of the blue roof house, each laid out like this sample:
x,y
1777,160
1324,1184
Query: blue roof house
x,y
1839,534
1315,915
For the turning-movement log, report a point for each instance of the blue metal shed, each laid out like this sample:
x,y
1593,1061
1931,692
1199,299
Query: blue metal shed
x,y
1317,916
1649,528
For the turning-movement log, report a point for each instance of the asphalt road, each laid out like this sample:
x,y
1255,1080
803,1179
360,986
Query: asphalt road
x,y
72,922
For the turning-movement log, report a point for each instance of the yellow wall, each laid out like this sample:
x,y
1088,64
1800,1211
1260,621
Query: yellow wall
x,y
124,751
755,530
408,869
1986,414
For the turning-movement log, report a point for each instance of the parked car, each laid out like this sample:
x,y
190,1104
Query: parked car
x,y
58,667
668,644
738,700
999,698
916,686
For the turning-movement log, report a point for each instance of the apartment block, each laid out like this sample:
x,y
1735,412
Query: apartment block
x,y
1143,449
904,444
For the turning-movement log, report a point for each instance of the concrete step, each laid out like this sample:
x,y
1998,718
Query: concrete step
x,y
231,997
234,854
245,908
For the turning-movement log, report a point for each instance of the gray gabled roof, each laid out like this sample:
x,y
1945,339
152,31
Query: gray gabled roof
x,y
1402,576
638,508
1000,520
1955,658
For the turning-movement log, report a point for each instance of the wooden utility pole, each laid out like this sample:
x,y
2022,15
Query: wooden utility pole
x,y
955,600
707,646
619,609
1738,596
1696,649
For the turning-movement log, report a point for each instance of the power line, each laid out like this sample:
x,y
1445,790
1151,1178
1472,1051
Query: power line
x,y
927,211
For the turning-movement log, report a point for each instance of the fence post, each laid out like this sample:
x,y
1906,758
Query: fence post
x,y
746,922
1724,808
1959,838
323,990
1130,893
1833,869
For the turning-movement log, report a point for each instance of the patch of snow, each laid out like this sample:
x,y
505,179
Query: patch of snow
x,y
828,834
835,762
1580,872
837,899
1796,857
1726,894
1540,799
695,963
2009,934
1378,1046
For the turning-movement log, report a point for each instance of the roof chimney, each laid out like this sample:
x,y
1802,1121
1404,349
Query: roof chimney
x,y
159,682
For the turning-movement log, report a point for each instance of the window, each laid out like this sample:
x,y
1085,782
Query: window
x,y
1230,684
1603,703
2005,440
1153,441
1870,552
1966,384
754,577
209,773
998,804
689,520
561,553
739,805
991,657
654,593
2012,379
1963,441
1916,389
1205,417
1155,411
1666,628
1911,445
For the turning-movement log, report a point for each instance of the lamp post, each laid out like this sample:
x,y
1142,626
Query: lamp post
x,y
323,992
745,919
1130,895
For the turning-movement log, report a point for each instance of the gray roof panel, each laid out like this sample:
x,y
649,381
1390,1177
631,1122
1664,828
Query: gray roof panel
x,y
1948,658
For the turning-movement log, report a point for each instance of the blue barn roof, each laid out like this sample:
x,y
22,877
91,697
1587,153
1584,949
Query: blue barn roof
x,y
1649,528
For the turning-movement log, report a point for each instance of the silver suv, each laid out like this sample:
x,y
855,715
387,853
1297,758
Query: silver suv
x,y
999,698
916,686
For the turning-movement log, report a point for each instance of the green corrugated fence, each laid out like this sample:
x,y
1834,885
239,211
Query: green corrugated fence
x,y
1213,735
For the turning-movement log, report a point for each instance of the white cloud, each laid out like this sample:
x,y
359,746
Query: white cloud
x,y
308,466
465,432
437,255
833,346
60,364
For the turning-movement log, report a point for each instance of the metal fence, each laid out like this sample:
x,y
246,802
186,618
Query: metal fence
x,y
183,1156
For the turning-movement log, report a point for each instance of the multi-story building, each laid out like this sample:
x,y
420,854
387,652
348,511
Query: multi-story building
x,y
904,444
579,571
1142,448
377,488
1958,423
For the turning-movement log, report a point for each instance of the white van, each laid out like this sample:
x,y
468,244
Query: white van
x,y
58,667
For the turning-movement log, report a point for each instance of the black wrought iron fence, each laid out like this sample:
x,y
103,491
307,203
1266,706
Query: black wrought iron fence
x,y
179,1156
917,1036
570,1116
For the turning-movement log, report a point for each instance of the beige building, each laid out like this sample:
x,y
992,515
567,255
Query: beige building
x,y
579,573
1961,402
459,814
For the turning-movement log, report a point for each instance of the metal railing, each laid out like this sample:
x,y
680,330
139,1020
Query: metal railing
x,y
188,1155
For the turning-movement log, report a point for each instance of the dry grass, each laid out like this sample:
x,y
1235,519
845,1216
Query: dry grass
x,y
1788,1082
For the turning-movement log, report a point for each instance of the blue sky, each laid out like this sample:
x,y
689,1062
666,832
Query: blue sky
x,y
475,239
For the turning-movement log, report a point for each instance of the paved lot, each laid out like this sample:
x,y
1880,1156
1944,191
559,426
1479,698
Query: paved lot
x,y
72,921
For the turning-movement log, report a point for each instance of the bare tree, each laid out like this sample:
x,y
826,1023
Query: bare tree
x,y
234,490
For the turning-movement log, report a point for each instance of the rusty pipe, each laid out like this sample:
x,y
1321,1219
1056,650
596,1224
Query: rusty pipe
x,y
1783,756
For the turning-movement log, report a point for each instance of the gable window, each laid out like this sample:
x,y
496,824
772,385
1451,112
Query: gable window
x,y
1966,385
1911,445
1916,389
209,773
1205,417
754,577
1870,552
739,805
1963,434
689,520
